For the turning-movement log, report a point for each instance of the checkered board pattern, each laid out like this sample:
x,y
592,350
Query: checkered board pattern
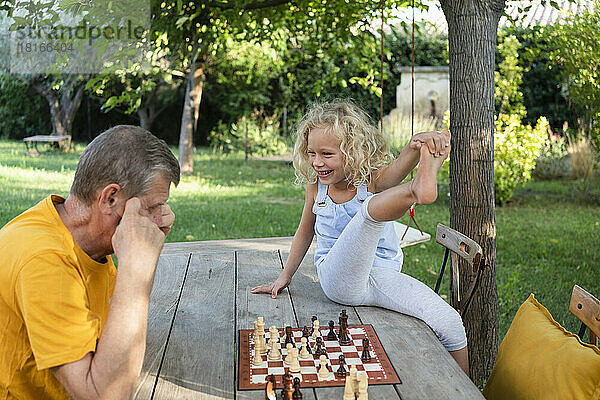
x,y
379,370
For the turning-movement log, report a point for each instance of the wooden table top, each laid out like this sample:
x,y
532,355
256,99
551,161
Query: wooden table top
x,y
201,298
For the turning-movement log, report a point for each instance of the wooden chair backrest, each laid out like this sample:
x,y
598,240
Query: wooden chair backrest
x,y
462,246
587,308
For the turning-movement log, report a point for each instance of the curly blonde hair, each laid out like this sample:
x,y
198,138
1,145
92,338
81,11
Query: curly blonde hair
x,y
364,147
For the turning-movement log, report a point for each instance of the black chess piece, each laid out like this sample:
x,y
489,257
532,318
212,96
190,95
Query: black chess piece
x,y
331,335
289,336
312,323
288,387
319,349
271,387
305,332
344,338
366,356
297,395
341,372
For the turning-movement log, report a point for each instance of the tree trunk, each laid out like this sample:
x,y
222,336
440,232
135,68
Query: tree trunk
x,y
62,112
193,95
472,32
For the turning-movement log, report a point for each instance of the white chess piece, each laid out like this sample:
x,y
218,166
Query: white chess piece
x,y
316,332
304,354
257,360
274,354
261,333
294,362
288,357
363,384
323,371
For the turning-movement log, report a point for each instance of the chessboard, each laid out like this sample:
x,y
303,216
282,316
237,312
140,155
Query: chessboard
x,y
379,369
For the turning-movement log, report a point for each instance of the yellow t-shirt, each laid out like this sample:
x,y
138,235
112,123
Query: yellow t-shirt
x,y
53,302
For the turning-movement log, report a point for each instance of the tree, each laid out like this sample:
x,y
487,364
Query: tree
x,y
200,29
577,49
472,34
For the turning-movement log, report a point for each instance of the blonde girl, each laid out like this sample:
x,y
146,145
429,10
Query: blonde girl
x,y
352,194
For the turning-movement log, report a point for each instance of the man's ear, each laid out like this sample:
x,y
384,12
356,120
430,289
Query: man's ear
x,y
111,199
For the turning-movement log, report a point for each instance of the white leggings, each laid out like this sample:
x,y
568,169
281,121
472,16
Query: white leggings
x,y
348,277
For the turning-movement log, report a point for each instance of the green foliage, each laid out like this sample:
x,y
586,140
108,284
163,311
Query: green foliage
x,y
516,148
508,78
259,136
553,162
541,82
21,110
577,50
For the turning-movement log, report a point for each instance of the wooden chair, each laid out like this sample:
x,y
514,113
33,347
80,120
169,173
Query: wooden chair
x,y
456,245
587,308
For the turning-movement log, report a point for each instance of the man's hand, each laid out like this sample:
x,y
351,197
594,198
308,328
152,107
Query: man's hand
x,y
436,142
137,243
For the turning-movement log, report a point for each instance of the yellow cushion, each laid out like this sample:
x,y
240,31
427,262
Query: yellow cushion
x,y
538,359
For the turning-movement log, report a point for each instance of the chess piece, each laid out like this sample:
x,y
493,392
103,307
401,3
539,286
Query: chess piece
x,y
287,358
304,352
363,384
294,362
297,395
341,372
353,377
257,360
271,387
312,321
365,356
316,332
349,388
305,332
262,346
289,335
342,320
344,337
288,387
319,349
323,371
274,354
331,335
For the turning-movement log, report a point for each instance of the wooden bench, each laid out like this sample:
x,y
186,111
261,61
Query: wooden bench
x,y
64,142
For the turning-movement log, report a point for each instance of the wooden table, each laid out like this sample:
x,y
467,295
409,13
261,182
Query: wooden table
x,y
201,297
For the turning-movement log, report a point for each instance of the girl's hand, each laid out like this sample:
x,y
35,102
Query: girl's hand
x,y
274,288
436,142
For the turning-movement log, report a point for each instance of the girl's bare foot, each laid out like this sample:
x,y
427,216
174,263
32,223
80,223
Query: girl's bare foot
x,y
424,186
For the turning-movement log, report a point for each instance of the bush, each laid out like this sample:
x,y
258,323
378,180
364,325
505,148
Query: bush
x,y
263,137
553,161
516,147
22,111
582,157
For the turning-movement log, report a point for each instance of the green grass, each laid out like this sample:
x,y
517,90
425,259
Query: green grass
x,y
547,239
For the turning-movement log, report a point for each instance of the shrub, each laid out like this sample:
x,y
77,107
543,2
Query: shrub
x,y
263,137
516,147
582,157
22,111
553,162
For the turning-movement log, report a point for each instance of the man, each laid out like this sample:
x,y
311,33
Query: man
x,y
59,337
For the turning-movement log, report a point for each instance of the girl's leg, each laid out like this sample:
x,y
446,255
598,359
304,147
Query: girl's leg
x,y
402,293
344,272
393,203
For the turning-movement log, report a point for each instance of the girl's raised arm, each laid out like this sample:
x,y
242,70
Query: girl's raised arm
x,y
300,244
393,174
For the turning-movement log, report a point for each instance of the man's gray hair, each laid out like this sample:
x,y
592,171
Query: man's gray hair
x,y
127,155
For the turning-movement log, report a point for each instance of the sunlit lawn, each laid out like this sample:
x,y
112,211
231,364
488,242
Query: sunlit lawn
x,y
547,240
